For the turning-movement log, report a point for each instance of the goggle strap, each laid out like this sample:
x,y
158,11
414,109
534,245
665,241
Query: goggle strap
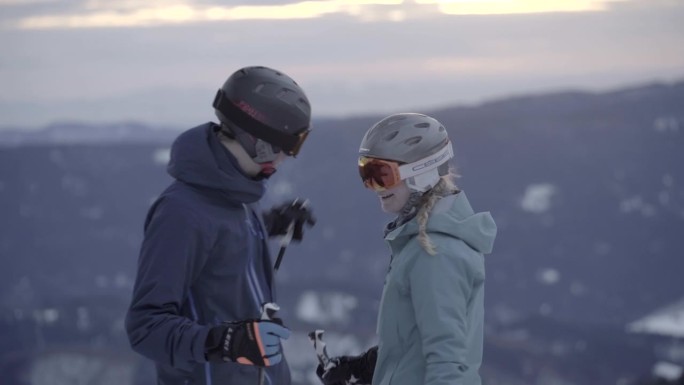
x,y
428,163
288,142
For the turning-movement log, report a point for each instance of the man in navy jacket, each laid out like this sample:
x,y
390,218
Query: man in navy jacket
x,y
204,269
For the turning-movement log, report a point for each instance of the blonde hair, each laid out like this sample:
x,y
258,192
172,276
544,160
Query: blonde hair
x,y
444,187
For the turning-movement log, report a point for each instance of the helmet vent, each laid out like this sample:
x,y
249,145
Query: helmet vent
x,y
391,135
441,129
422,125
414,140
284,94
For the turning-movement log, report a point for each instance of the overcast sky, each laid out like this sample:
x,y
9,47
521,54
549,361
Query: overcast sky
x,y
161,61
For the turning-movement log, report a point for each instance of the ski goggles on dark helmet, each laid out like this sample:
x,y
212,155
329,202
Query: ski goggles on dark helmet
x,y
253,122
381,174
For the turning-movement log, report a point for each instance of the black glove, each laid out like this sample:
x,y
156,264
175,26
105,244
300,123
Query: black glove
x,y
295,213
347,370
250,342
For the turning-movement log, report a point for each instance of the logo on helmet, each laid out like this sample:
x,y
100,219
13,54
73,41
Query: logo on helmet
x,y
430,162
251,111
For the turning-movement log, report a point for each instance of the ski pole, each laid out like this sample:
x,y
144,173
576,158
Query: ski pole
x,y
268,309
287,238
316,338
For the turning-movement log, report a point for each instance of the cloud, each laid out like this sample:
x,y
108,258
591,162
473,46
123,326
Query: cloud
x,y
347,64
101,14
136,13
24,2
497,7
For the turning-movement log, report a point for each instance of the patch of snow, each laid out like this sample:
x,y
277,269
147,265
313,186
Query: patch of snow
x,y
74,185
577,289
282,189
161,156
537,198
122,281
548,276
667,371
666,124
78,368
637,204
668,321
323,308
46,316
505,314
631,204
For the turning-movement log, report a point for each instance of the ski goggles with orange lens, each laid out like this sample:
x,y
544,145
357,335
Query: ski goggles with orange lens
x,y
380,174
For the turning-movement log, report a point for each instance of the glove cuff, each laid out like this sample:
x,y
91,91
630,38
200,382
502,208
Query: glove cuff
x,y
217,343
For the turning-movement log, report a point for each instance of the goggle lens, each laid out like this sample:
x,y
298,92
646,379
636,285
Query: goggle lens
x,y
298,145
378,174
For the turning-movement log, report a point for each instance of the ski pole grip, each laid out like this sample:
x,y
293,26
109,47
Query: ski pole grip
x,y
316,338
268,310
285,240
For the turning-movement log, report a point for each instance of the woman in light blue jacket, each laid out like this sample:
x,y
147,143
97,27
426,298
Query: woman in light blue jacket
x,y
430,324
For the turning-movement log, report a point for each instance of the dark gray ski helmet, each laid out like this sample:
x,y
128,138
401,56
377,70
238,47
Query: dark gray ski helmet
x,y
415,139
265,110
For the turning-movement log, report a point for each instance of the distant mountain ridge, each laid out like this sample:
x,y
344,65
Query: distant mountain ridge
x,y
587,190
131,131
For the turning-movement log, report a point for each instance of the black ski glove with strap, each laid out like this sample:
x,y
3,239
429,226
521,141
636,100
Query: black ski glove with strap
x,y
348,370
250,342
295,213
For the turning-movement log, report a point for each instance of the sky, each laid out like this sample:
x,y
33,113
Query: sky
x,y
160,62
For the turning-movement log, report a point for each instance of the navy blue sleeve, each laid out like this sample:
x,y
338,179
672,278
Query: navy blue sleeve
x,y
173,252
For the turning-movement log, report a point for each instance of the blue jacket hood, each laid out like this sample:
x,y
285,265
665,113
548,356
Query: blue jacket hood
x,y
198,158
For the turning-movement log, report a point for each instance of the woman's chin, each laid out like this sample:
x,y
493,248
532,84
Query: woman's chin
x,y
389,206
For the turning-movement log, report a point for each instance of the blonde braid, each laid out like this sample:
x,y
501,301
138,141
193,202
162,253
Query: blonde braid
x,y
444,187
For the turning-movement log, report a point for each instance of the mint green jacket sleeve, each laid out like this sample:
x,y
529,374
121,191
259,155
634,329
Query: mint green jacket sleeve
x,y
440,286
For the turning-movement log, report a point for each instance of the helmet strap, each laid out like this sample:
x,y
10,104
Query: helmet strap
x,y
259,150
226,130
423,182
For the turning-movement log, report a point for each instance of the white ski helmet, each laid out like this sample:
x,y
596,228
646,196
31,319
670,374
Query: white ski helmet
x,y
418,143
